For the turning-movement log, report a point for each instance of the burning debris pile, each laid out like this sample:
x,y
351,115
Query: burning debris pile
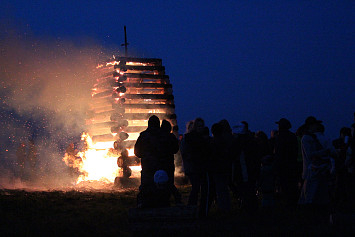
x,y
127,92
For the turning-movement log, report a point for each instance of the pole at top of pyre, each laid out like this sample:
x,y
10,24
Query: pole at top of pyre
x,y
125,42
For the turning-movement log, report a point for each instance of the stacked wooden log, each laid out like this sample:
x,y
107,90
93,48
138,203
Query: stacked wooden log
x,y
127,93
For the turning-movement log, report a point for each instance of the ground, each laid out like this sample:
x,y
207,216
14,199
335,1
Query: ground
x,y
105,213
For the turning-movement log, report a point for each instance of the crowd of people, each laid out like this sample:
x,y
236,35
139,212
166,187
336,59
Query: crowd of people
x,y
303,168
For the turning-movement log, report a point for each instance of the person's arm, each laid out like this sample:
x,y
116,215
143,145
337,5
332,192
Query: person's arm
x,y
308,146
174,144
138,147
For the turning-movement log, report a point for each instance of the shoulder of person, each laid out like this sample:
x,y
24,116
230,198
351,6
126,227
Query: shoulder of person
x,y
172,136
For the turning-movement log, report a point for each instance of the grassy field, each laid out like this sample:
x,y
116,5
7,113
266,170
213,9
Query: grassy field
x,y
105,213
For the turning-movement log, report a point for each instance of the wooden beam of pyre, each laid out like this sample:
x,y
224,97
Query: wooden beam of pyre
x,y
127,93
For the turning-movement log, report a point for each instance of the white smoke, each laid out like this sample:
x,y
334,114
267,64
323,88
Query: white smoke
x,y
45,87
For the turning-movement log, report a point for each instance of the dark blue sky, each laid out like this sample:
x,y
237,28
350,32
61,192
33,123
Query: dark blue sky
x,y
241,60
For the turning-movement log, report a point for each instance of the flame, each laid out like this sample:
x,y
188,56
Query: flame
x,y
98,162
112,63
131,152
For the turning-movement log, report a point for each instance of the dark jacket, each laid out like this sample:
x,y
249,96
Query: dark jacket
x,y
169,147
223,153
286,152
247,147
195,149
148,148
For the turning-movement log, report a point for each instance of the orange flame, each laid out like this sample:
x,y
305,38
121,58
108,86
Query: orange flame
x,y
98,162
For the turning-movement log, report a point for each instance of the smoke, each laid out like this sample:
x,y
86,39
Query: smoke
x,y
45,88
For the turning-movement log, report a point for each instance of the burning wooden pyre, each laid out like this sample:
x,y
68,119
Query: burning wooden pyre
x,y
129,91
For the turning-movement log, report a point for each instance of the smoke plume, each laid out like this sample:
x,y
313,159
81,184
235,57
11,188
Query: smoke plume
x,y
45,88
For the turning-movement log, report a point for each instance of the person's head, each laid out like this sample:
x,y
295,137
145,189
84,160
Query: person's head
x,y
206,131
261,136
246,125
176,129
199,125
312,124
189,126
240,128
217,129
344,131
166,126
153,122
225,126
301,130
284,124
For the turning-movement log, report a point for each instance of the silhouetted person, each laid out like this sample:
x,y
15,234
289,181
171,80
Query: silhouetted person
x,y
247,166
148,148
189,126
195,155
220,166
286,153
342,146
315,189
299,134
326,144
267,181
273,135
171,144
263,144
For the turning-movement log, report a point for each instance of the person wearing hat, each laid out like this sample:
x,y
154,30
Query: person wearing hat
x,y
315,186
162,190
308,143
286,152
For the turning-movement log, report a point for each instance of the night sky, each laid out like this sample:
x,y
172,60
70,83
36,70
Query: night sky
x,y
240,60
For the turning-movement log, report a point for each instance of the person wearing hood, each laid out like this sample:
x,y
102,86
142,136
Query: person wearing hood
x,y
148,149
